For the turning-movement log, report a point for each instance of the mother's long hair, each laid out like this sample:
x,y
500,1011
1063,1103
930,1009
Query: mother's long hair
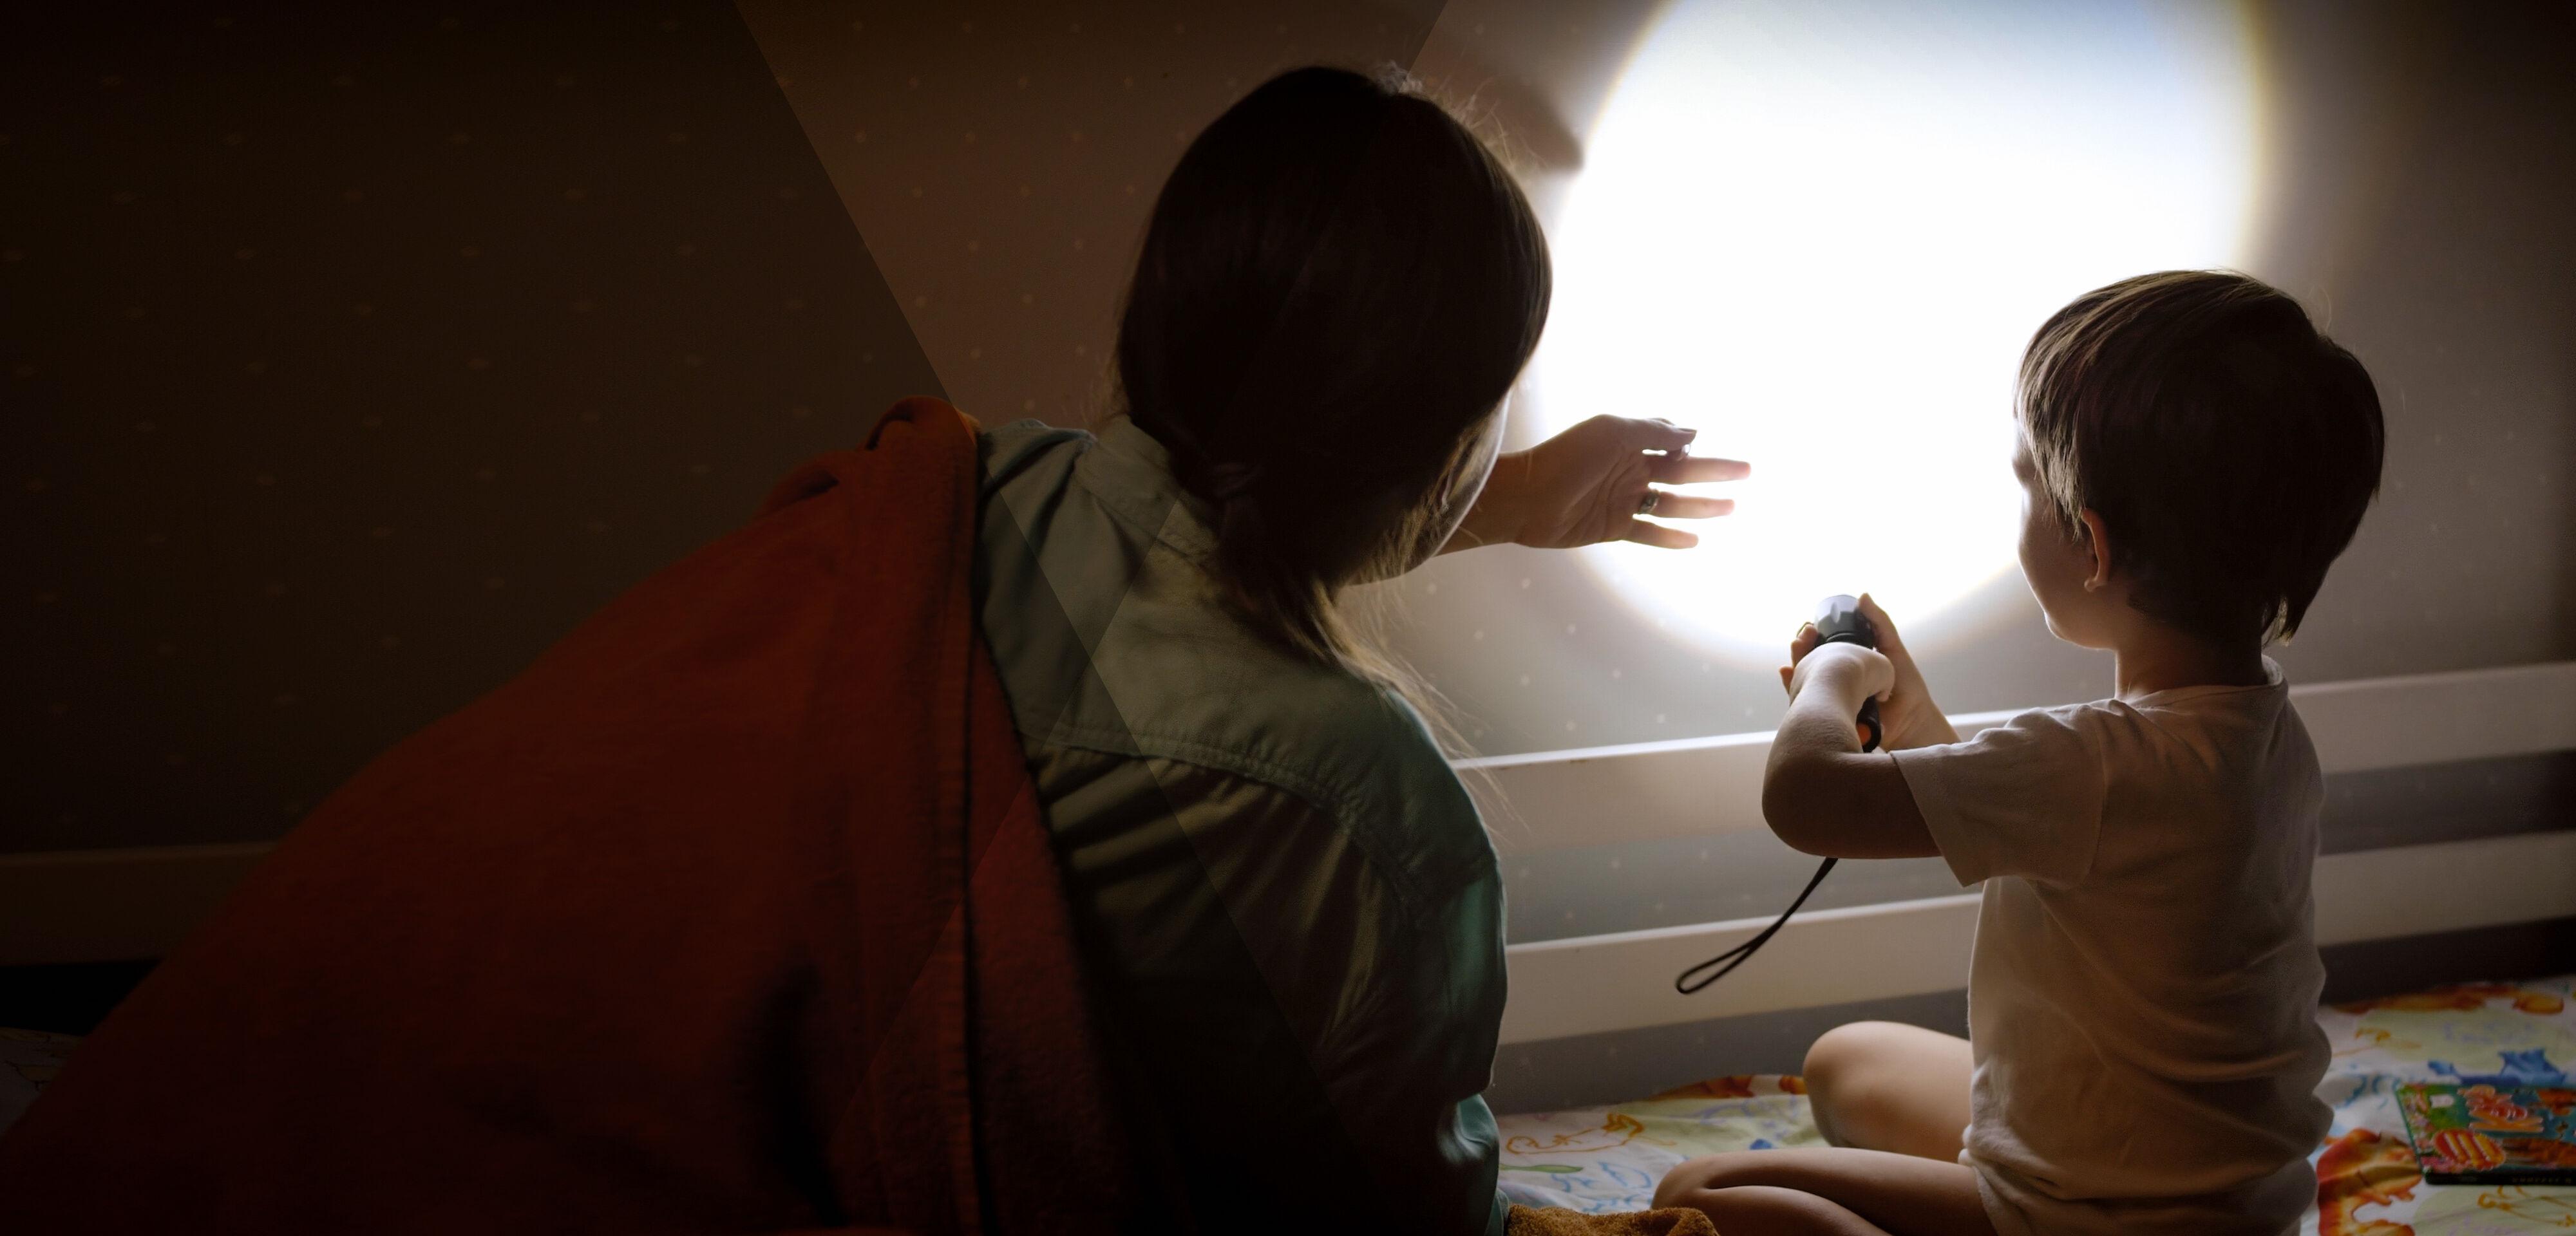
x,y
1339,286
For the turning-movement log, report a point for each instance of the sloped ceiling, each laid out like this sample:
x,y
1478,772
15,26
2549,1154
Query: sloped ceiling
x,y
1001,160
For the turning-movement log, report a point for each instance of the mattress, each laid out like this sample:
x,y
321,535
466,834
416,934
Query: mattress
x,y
1608,1158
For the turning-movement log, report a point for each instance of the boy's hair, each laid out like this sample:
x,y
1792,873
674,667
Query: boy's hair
x,y
2229,447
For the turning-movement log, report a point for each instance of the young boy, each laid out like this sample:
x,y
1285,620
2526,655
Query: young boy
x,y
2142,1049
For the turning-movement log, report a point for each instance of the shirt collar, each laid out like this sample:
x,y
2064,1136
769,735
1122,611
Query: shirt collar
x,y
2273,681
1131,475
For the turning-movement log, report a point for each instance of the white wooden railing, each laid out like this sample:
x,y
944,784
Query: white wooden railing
x,y
1649,791
104,905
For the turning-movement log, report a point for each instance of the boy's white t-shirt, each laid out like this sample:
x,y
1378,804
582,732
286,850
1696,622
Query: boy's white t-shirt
x,y
2142,1005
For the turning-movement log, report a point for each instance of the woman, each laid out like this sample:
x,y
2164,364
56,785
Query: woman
x,y
1294,913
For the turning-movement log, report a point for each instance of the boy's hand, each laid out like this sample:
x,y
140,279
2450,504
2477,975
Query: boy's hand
x,y
1906,712
1854,673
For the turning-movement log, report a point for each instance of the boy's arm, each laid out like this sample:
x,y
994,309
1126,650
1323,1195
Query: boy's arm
x,y
1820,793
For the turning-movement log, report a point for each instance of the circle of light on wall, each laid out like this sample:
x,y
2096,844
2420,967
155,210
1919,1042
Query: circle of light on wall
x,y
1821,234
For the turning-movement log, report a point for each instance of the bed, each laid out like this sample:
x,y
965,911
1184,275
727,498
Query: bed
x,y
1608,1159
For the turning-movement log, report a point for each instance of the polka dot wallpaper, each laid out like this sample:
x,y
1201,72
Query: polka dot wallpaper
x,y
354,356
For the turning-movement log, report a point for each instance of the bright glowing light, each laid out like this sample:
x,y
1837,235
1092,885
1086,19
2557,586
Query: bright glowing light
x,y
1821,234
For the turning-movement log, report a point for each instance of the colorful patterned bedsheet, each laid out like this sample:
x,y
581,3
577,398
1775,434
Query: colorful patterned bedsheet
x,y
2367,1183
1603,1160
1606,1160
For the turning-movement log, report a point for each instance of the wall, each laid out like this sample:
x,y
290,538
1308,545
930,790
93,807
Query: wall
x,y
1002,159
355,353
2427,176
2421,161
2422,164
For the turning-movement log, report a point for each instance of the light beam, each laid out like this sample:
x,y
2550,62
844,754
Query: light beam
x,y
1821,232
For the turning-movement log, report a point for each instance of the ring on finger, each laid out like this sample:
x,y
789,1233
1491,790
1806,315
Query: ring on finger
x,y
1646,504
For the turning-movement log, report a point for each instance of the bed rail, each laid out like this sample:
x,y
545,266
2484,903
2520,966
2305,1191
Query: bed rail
x,y
1558,800
1592,984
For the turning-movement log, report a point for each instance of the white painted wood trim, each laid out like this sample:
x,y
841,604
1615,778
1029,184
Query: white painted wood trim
x,y
2417,890
1557,800
1593,984
1624,981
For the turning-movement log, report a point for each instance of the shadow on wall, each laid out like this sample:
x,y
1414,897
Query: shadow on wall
x,y
356,354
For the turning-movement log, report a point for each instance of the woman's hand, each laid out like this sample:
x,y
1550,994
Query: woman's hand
x,y
1906,714
1584,486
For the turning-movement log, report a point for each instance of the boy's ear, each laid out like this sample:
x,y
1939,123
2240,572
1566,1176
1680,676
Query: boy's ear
x,y
2097,547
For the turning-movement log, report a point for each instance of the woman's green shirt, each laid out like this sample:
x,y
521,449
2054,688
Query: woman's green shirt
x,y
1295,911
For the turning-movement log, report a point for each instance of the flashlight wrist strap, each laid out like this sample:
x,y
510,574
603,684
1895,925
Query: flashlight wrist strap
x,y
1744,952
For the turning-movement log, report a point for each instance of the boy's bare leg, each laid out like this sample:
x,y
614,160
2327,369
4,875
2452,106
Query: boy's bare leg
x,y
1895,1099
1880,1085
1828,1193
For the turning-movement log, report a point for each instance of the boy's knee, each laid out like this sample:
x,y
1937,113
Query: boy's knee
x,y
1880,1085
1838,1053
1839,1070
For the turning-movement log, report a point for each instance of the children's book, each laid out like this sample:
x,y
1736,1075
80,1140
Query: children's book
x,y
2490,1133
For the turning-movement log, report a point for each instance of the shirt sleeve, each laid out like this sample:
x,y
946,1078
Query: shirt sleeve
x,y
2021,799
